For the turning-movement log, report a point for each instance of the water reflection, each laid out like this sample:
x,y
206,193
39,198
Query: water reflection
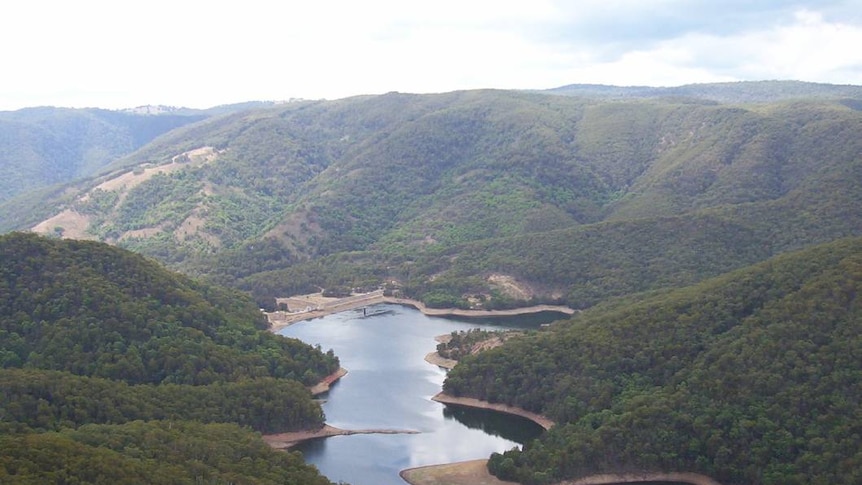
x,y
512,428
529,320
389,385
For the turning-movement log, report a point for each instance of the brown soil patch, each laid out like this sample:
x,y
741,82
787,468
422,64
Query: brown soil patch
x,y
434,358
74,225
511,287
443,339
194,226
296,231
130,179
327,382
457,312
473,472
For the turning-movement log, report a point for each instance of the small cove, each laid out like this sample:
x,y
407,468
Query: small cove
x,y
389,386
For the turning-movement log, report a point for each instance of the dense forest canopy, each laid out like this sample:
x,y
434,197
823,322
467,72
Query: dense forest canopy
x,y
709,233
752,377
158,452
96,341
575,198
95,310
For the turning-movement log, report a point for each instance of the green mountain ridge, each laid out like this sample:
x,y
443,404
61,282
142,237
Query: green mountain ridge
x,y
750,377
45,146
709,233
97,343
424,185
729,92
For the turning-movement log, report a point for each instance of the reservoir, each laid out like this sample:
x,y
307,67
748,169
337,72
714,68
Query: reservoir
x,y
389,386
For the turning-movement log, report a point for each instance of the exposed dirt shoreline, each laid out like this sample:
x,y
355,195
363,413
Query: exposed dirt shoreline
x,y
326,383
434,358
542,421
279,319
475,472
284,441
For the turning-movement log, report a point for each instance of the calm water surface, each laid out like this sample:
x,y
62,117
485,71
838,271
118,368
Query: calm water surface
x,y
389,386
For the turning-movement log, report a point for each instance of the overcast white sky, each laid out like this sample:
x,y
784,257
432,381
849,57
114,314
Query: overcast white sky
x,y
116,54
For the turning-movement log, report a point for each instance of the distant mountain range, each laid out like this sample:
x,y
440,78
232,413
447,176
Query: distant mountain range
x,y
565,198
730,92
44,146
711,234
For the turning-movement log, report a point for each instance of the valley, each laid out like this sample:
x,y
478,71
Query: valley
x,y
700,245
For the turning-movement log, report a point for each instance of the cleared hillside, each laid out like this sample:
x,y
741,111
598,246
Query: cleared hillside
x,y
45,146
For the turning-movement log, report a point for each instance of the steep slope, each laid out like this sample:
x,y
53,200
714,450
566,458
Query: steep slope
x,y
164,452
576,199
751,377
47,146
105,358
96,310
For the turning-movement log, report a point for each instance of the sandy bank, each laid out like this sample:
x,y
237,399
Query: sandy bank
x,y
474,472
434,358
324,385
503,408
283,441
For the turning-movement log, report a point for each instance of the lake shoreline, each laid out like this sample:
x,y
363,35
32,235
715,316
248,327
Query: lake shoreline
x,y
434,358
327,382
286,441
470,402
471,472
468,472
280,319
459,312
476,471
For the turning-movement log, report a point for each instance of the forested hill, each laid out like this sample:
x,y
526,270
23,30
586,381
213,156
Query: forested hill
x,y
751,377
46,146
493,196
43,148
108,360
730,92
